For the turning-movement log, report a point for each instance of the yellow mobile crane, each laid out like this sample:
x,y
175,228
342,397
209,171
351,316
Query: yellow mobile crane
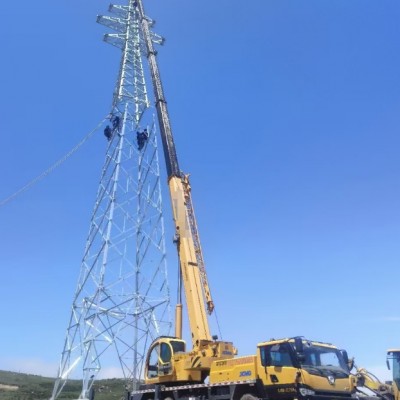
x,y
393,355
287,369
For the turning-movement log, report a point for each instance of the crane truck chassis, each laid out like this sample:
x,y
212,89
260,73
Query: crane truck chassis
x,y
282,369
285,369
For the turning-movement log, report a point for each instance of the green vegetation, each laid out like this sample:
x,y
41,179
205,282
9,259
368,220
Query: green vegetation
x,y
17,386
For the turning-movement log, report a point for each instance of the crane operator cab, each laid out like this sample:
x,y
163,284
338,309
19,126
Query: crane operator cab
x,y
161,356
167,360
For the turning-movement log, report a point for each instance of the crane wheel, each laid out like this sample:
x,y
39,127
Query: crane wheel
x,y
248,396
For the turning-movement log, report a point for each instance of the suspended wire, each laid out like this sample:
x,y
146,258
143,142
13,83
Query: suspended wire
x,y
49,170
218,326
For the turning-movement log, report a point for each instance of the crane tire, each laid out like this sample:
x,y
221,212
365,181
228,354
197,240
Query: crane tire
x,y
248,396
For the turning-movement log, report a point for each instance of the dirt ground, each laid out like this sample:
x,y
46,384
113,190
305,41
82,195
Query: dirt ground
x,y
8,387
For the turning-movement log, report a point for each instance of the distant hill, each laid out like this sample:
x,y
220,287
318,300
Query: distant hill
x,y
18,386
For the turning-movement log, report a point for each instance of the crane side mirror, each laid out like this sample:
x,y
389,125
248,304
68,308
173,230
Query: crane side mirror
x,y
388,364
298,343
348,362
301,357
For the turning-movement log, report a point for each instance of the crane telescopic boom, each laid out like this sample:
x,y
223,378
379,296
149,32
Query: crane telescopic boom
x,y
171,158
197,291
167,359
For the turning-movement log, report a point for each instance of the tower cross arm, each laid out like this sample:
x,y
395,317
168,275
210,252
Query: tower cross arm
x,y
116,39
118,9
116,24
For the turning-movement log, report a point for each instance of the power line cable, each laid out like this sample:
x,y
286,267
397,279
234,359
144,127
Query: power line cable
x,y
51,168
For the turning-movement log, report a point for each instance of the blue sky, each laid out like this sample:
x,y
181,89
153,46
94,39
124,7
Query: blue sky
x,y
286,114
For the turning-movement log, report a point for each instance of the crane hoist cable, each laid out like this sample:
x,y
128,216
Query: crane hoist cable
x,y
49,170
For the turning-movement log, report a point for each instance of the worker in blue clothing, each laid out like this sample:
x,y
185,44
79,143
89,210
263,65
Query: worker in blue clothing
x,y
108,132
142,138
115,122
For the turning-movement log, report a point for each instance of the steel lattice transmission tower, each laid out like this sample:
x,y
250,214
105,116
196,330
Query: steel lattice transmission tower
x,y
122,299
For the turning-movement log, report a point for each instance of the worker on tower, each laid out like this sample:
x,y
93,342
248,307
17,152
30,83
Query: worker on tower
x,y
139,140
115,122
108,132
142,138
